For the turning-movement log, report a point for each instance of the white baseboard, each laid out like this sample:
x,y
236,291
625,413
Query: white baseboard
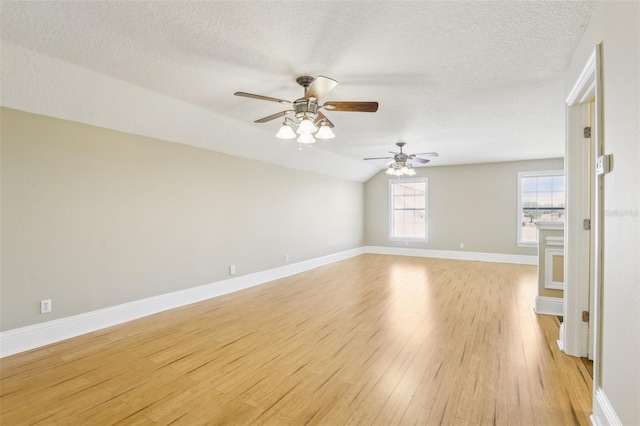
x,y
603,412
454,254
548,305
561,337
42,334
37,335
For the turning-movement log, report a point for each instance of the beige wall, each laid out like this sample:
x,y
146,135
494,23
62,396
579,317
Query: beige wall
x,y
93,218
616,25
473,204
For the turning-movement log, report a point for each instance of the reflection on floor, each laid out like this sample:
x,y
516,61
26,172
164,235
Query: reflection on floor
x,y
370,340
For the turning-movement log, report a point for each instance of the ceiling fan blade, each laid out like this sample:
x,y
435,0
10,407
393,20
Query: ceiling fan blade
x,y
264,98
273,116
428,154
351,106
320,117
320,86
421,160
377,158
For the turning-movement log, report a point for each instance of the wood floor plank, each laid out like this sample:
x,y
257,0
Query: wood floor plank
x,y
373,339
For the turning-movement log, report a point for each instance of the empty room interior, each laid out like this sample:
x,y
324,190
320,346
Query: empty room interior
x,y
331,213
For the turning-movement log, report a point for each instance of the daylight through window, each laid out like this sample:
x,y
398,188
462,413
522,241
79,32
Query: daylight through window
x,y
408,216
540,198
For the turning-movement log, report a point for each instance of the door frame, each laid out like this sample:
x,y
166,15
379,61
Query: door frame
x,y
580,340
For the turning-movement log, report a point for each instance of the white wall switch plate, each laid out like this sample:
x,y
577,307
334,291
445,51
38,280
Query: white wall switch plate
x,y
603,164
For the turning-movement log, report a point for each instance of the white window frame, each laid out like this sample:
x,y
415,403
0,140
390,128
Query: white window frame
x,y
521,175
426,209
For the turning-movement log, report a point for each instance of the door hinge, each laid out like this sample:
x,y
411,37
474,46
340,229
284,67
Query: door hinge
x,y
585,316
586,224
587,132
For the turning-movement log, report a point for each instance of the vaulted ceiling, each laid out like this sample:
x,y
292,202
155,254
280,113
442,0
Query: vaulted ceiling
x,y
475,81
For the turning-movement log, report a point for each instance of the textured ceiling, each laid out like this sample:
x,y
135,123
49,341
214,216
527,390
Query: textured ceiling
x,y
475,81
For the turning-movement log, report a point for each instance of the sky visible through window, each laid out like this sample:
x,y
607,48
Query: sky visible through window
x,y
408,210
542,199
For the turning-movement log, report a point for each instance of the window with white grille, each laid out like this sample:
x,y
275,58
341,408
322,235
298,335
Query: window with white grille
x,y
540,198
408,209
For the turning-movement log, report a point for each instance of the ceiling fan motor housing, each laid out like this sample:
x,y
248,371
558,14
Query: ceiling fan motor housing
x,y
304,107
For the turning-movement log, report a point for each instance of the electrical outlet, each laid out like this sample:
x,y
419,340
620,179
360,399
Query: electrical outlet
x,y
45,306
461,245
286,258
232,269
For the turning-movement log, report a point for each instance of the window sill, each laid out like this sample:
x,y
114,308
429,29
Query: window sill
x,y
532,244
409,240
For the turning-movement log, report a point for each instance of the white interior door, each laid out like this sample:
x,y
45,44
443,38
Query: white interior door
x,y
578,171
594,225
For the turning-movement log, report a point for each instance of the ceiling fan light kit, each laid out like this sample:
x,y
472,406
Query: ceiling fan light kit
x,y
306,138
400,164
325,131
306,126
396,169
308,119
286,131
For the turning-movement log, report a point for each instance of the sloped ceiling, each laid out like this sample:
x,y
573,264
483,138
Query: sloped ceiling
x,y
474,81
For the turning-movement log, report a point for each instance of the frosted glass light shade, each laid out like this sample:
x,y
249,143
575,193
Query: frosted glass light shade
x,y
286,132
306,126
306,138
325,132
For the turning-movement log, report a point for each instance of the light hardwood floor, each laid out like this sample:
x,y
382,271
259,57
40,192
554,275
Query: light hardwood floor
x,y
370,340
